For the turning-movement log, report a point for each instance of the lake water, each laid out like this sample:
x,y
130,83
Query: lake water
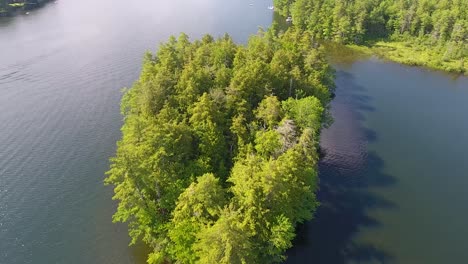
x,y
395,174
61,71
392,183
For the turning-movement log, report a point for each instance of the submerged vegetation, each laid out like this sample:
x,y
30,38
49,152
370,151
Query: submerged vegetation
x,y
431,33
218,159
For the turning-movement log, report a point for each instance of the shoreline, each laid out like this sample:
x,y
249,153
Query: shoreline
x,y
379,50
399,52
19,8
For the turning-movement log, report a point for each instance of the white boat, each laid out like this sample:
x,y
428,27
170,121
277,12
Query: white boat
x,y
271,7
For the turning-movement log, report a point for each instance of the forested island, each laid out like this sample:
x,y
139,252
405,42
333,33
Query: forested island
x,y
218,159
431,33
10,7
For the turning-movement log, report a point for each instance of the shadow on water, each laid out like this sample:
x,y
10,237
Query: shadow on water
x,y
347,172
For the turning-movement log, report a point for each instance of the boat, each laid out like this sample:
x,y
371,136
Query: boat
x,y
289,19
271,7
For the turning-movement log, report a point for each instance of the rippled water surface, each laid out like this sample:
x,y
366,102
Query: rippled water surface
x,y
61,71
393,181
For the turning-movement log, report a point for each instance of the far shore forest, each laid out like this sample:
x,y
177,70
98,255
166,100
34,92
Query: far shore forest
x,y
432,33
9,7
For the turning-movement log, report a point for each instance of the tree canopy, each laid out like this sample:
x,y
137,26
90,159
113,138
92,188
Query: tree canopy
x,y
438,25
218,157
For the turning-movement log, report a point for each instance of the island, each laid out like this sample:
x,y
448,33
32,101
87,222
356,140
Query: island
x,y
218,158
220,142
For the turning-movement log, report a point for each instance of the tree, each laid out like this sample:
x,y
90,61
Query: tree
x,y
206,122
307,112
226,242
269,111
198,207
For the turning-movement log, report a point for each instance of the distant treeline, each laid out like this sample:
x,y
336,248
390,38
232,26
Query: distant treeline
x,y
438,25
218,159
8,7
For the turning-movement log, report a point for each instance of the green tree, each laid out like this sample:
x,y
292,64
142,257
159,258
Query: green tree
x,y
269,111
226,242
198,208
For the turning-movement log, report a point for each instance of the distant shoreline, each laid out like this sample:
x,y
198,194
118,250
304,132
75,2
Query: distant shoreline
x,y
13,9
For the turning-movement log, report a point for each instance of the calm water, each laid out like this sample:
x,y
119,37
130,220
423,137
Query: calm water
x,y
392,183
61,71
395,174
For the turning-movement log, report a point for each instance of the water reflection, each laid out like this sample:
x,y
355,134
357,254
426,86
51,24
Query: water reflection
x,y
347,173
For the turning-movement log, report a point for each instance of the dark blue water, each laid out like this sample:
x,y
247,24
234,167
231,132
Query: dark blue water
x,y
395,174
